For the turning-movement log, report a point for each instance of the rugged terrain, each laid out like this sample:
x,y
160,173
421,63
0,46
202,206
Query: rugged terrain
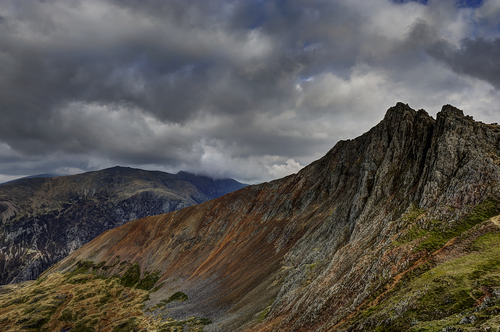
x,y
45,219
394,230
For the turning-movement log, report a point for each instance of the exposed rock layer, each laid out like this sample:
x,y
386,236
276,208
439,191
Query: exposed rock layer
x,y
45,219
308,251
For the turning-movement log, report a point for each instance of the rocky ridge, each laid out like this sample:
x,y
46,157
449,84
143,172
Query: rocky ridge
x,y
45,219
394,230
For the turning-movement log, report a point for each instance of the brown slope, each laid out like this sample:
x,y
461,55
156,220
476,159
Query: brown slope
x,y
204,245
320,243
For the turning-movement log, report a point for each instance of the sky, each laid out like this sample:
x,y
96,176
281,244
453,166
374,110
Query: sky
x,y
248,89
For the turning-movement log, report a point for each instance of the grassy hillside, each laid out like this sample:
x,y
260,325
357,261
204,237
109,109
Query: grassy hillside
x,y
453,283
86,300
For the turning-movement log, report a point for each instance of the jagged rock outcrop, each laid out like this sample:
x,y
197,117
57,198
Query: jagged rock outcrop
x,y
328,248
45,219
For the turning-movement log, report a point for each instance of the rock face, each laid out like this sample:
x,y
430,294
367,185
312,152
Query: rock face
x,y
45,219
322,249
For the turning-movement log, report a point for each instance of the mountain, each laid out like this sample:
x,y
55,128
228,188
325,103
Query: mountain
x,y
395,230
44,175
44,219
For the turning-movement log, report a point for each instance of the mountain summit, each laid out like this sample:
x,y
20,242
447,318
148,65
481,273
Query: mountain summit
x,y
390,231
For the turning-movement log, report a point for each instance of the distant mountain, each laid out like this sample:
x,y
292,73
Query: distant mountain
x,y
45,218
44,175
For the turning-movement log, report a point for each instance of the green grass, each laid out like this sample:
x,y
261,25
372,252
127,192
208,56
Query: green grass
x,y
435,297
67,316
86,270
439,233
148,281
177,296
132,276
195,324
415,232
128,326
263,314
157,288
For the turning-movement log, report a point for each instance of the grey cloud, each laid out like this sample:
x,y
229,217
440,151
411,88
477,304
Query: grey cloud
x,y
478,58
141,70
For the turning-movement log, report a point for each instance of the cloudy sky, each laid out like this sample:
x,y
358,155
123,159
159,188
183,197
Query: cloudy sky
x,y
248,89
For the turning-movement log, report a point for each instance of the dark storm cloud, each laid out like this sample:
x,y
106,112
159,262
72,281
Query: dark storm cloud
x,y
478,58
146,68
238,88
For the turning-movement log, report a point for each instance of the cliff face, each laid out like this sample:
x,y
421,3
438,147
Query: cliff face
x,y
352,242
45,219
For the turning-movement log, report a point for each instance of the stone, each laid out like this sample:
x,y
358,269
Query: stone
x,y
464,320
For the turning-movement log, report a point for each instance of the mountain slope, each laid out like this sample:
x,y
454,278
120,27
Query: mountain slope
x,y
45,219
335,247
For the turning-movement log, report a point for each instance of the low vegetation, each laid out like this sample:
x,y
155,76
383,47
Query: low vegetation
x,y
86,300
436,233
461,293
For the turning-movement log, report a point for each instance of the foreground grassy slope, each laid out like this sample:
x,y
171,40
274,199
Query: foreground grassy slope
x,y
453,284
86,300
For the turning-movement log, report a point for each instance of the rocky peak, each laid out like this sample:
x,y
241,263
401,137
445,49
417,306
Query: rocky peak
x,y
449,110
399,112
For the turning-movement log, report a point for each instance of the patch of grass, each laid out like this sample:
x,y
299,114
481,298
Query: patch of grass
x,y
132,276
99,265
415,212
203,321
157,288
80,279
195,324
148,281
40,279
127,326
82,267
438,233
415,232
67,316
263,314
105,299
85,325
81,307
15,301
36,323
177,296
437,238
369,311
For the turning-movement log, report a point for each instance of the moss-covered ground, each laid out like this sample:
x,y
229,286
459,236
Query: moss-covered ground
x,y
459,293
